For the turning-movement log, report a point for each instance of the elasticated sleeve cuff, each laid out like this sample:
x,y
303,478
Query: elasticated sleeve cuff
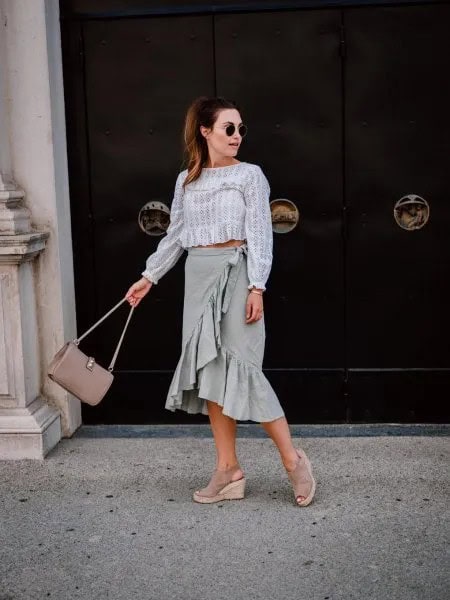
x,y
150,277
258,284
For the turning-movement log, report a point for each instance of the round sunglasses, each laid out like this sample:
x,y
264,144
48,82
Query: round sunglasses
x,y
230,129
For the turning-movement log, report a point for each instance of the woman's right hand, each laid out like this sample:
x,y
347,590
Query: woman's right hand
x,y
138,290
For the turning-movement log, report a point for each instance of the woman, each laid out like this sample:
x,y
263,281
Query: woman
x,y
221,214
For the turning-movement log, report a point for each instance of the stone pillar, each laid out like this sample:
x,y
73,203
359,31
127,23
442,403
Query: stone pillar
x,y
29,427
37,307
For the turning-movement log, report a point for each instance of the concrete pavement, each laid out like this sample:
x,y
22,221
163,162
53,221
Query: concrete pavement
x,y
112,518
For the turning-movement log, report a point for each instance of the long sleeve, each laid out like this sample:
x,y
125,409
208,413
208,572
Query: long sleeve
x,y
258,228
169,248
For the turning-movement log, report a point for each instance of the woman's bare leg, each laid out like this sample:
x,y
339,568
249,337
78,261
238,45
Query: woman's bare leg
x,y
279,431
224,432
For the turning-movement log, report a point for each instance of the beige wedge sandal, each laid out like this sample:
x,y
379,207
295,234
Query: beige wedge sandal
x,y
302,479
221,487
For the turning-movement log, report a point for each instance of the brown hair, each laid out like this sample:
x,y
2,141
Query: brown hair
x,y
204,111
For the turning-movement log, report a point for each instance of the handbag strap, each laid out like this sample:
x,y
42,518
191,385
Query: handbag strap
x,y
116,352
111,366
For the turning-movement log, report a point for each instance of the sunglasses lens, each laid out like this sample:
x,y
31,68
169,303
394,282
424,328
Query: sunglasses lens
x,y
231,129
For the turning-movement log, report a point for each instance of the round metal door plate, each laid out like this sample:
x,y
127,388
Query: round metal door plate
x,y
411,212
154,218
285,215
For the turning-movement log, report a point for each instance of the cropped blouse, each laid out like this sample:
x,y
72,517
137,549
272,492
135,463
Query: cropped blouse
x,y
224,203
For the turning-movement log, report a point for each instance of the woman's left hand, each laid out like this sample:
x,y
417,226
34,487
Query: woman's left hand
x,y
254,308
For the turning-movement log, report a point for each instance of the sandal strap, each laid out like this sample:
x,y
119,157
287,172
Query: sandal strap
x,y
301,477
218,481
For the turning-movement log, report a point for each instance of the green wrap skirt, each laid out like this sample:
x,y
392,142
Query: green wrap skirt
x,y
221,355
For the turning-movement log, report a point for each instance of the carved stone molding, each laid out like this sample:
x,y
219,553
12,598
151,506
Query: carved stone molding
x,y
14,217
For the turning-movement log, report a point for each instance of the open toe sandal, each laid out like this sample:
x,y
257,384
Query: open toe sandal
x,y
221,487
302,480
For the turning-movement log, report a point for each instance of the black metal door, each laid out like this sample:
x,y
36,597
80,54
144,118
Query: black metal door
x,y
327,97
397,140
286,69
138,77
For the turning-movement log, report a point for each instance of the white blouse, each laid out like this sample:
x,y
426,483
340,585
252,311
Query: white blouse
x,y
224,203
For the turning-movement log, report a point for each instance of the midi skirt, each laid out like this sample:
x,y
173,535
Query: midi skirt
x,y
221,355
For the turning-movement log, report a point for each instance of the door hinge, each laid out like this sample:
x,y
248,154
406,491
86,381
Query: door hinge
x,y
344,224
342,43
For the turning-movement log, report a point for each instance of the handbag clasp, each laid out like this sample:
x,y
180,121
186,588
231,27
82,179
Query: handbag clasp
x,y
90,363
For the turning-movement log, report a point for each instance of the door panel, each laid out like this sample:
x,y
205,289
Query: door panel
x,y
140,76
397,143
285,69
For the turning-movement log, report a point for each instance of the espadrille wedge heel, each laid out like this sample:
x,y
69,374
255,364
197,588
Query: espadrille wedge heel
x,y
221,487
302,480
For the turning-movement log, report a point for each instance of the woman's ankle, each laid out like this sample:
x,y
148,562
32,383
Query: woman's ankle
x,y
290,461
227,466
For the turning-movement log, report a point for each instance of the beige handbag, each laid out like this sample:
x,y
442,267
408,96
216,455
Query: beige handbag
x,y
80,374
